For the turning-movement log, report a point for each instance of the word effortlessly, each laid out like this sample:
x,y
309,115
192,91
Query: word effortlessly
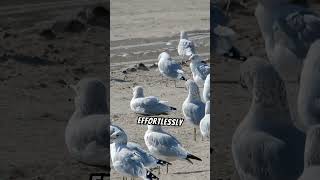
x,y
160,121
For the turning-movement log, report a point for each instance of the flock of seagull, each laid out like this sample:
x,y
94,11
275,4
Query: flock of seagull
x,y
267,144
130,159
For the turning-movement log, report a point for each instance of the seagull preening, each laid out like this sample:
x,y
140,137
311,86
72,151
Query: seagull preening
x,y
186,47
309,92
170,68
206,89
150,105
312,155
199,69
266,144
288,30
125,159
86,133
165,146
205,122
193,108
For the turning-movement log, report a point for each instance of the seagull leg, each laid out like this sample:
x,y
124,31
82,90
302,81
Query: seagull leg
x,y
175,84
167,168
167,82
228,6
194,134
201,138
159,170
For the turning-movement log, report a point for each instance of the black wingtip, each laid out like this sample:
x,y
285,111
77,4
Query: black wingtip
x,y
151,176
190,156
162,162
173,108
183,78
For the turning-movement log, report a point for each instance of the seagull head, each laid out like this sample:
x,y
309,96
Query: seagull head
x,y
183,35
192,88
138,92
164,55
263,81
117,135
154,128
90,96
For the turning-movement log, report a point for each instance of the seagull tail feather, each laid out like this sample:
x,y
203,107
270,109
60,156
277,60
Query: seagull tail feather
x,y
190,156
162,162
150,176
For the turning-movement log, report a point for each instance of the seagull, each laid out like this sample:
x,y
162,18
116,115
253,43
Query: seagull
x,y
165,146
206,89
222,35
199,69
148,160
86,133
125,160
150,105
170,68
311,156
193,108
186,47
266,144
308,98
205,122
288,30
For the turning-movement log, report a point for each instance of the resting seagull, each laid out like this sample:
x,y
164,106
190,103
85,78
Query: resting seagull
x,y
86,133
222,35
165,146
150,105
170,68
193,108
266,144
199,69
126,161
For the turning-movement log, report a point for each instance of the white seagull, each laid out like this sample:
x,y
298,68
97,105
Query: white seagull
x,y
125,160
193,108
309,92
288,30
205,122
266,144
86,133
165,146
148,160
170,68
185,47
150,105
199,69
206,89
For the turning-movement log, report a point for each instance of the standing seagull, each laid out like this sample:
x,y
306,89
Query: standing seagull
x,y
205,122
148,105
206,89
165,146
185,47
312,155
86,133
125,160
288,29
222,35
267,145
170,68
193,108
309,92
199,69
148,160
